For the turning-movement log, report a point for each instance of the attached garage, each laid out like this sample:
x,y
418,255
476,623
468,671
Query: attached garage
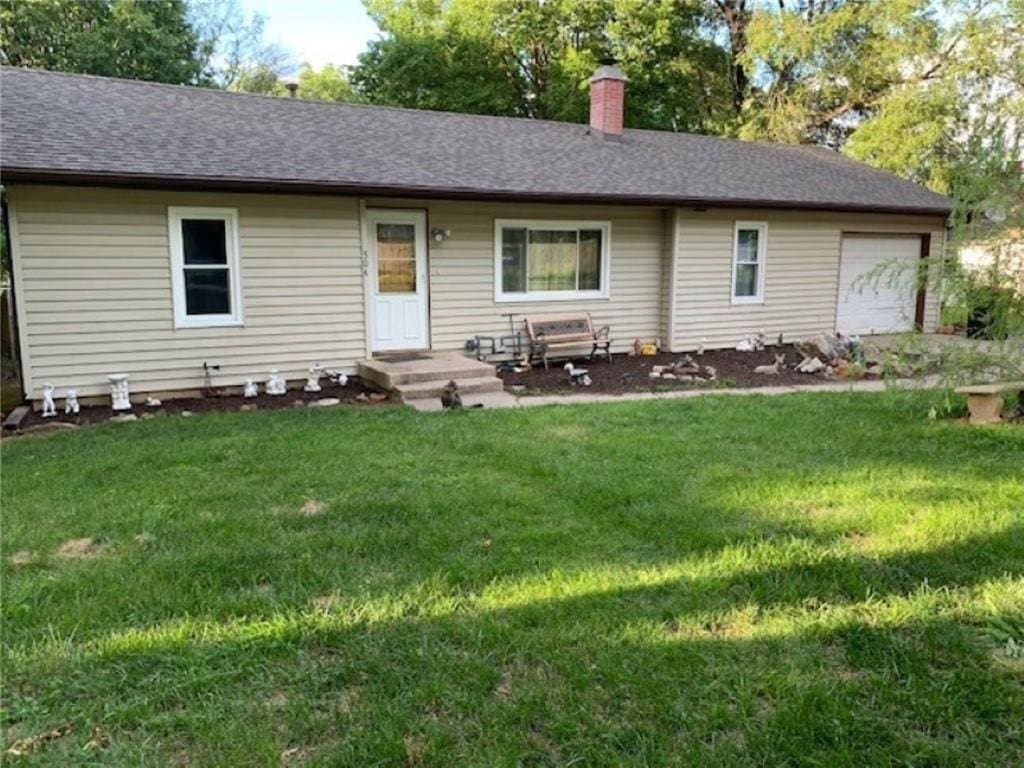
x,y
877,283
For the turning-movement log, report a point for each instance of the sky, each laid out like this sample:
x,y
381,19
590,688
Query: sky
x,y
318,31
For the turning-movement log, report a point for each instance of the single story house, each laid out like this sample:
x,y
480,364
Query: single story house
x,y
155,228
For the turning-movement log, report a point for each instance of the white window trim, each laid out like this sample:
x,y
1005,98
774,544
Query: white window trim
x,y
762,251
230,218
554,224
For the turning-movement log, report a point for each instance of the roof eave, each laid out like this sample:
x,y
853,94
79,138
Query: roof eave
x,y
10,175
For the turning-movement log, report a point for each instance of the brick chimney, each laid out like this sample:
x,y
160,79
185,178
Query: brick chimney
x,y
607,97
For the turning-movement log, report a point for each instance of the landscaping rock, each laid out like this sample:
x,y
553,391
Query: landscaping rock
x,y
121,417
324,402
248,407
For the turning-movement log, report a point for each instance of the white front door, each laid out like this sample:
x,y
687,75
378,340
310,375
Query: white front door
x,y
877,284
398,279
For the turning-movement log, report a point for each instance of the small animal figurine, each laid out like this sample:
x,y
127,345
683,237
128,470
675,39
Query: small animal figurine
x,y
71,405
250,389
276,384
638,347
342,379
746,344
774,368
779,342
152,402
759,340
313,380
450,397
811,365
577,375
710,373
49,409
702,346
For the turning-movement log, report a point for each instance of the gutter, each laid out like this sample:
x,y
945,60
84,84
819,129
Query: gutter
x,y
264,186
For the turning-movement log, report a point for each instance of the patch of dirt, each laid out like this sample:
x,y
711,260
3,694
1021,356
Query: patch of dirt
x,y
30,744
74,548
277,700
312,508
627,373
99,740
414,749
347,700
296,755
503,691
325,602
356,392
23,557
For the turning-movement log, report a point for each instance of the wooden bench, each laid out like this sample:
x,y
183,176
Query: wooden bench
x,y
550,331
985,401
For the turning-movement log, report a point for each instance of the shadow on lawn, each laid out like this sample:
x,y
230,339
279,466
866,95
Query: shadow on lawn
x,y
619,677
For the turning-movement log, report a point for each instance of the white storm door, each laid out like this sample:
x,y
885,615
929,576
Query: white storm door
x,y
877,290
398,279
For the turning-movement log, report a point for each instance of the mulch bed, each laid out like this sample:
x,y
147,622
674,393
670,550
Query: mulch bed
x,y
92,414
626,373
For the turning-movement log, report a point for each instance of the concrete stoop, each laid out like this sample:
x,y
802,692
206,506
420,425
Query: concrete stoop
x,y
423,376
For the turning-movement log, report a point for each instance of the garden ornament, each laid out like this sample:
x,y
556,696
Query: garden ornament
x,y
48,407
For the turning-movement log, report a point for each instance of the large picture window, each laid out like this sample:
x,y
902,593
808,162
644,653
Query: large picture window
x,y
204,267
749,246
551,260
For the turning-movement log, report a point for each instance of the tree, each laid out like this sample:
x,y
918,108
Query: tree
x,y
330,83
444,70
533,59
233,48
327,84
118,38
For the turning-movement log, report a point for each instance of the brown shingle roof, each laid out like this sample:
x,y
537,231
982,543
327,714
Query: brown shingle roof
x,y
56,126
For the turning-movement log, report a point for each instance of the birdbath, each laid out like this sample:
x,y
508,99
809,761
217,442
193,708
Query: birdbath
x,y
119,399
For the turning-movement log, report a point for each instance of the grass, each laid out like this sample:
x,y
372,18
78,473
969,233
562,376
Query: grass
x,y
814,579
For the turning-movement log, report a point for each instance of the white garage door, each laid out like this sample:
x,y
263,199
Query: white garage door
x,y
877,278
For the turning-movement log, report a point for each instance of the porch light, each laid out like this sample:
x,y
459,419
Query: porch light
x,y
440,235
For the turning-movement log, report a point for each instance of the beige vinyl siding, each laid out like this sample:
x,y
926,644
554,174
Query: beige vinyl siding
x,y
801,272
462,272
93,272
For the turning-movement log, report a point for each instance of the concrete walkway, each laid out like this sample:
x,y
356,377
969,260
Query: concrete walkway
x,y
508,400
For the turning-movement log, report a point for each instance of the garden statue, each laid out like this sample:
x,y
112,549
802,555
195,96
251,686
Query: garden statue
x,y
746,344
774,368
48,407
276,384
342,379
251,389
577,375
313,379
119,399
701,346
71,402
152,402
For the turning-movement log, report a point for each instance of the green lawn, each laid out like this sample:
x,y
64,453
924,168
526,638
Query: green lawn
x,y
816,579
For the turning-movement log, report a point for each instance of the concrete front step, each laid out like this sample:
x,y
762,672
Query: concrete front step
x,y
433,367
422,390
